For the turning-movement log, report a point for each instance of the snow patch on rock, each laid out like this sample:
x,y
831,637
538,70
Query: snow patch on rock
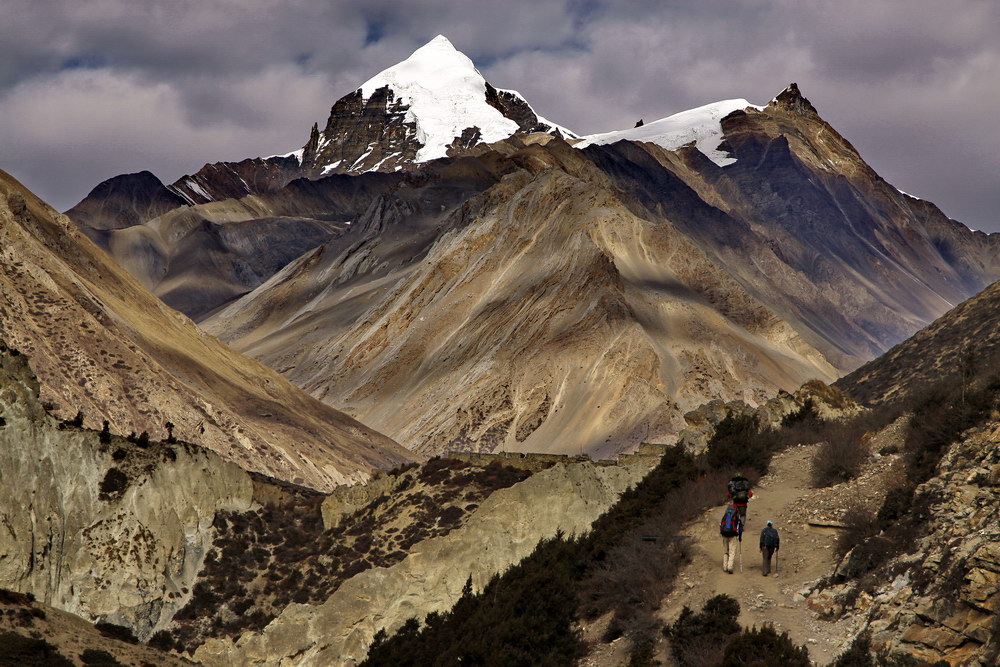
x,y
702,126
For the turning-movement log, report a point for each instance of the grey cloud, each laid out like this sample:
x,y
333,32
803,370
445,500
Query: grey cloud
x,y
170,84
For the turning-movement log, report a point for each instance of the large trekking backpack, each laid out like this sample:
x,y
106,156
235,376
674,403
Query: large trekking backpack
x,y
730,525
770,537
739,489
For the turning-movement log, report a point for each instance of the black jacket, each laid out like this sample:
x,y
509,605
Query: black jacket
x,y
769,534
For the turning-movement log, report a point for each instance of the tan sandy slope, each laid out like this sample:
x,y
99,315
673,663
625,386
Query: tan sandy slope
x,y
101,344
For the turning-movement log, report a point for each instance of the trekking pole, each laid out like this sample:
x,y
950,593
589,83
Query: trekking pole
x,y
741,556
776,561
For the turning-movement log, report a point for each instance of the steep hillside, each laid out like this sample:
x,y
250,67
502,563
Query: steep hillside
x,y
33,633
961,343
103,346
197,258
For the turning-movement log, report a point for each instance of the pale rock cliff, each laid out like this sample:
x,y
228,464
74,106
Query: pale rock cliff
x,y
505,529
122,546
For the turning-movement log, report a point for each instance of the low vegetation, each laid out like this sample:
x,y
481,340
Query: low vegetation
x,y
29,651
264,560
939,416
713,638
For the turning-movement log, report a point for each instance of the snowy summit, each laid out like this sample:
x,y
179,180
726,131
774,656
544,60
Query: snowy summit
x,y
445,93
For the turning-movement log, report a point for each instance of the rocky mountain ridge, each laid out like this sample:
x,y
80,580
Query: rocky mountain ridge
x,y
571,249
721,253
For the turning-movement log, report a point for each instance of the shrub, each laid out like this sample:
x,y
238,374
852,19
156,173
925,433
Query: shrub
x,y
805,415
114,484
162,640
739,442
142,440
860,524
764,648
13,597
700,638
105,435
99,658
859,654
26,651
841,454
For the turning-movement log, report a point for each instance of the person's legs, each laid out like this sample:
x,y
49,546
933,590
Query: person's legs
x,y
766,560
726,544
743,512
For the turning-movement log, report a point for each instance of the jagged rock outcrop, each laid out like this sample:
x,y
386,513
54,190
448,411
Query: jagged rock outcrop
x,y
943,599
505,529
104,346
827,403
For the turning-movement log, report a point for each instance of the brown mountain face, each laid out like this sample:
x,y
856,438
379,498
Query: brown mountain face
x,y
197,248
585,299
852,263
102,345
541,312
965,340
198,257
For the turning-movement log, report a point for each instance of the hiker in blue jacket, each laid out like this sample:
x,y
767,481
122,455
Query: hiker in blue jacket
x,y
769,543
731,529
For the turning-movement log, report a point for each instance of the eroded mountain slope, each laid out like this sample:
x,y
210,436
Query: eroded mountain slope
x,y
545,316
104,346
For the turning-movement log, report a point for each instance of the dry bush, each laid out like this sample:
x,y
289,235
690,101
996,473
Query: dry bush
x,y
637,574
841,454
861,524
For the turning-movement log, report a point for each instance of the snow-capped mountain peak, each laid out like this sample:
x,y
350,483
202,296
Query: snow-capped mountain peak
x,y
445,94
701,125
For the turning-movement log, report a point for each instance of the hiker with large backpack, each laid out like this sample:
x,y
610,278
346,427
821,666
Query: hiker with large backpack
x,y
731,529
739,493
769,543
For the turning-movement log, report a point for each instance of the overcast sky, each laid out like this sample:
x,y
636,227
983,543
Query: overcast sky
x,y
93,89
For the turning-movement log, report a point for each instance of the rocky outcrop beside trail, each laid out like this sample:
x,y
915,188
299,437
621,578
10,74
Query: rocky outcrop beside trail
x,y
943,601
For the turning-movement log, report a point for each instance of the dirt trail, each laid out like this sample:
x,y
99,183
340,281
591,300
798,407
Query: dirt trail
x,y
806,555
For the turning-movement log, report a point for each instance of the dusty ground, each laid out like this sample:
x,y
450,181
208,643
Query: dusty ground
x,y
806,555
786,497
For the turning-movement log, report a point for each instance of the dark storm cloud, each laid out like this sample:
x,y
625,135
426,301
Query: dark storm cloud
x,y
89,90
